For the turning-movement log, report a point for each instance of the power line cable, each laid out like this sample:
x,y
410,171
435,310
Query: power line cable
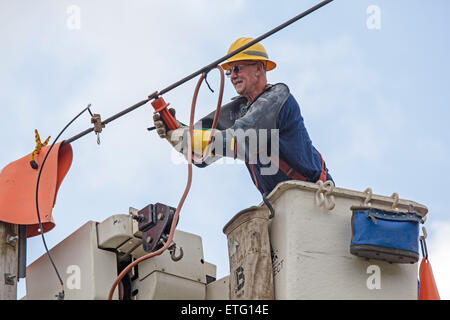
x,y
60,295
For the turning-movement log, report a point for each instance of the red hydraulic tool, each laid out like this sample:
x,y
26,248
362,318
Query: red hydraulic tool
x,y
161,106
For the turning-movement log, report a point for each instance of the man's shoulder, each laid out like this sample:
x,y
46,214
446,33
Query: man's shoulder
x,y
277,94
279,87
283,90
236,103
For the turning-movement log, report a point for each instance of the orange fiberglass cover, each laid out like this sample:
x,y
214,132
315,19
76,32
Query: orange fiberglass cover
x,y
18,188
427,285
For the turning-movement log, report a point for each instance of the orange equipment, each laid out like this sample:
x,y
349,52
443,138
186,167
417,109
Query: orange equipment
x,y
18,182
427,286
161,106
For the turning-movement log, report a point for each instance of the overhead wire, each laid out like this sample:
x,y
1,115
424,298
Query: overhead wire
x,y
203,70
60,295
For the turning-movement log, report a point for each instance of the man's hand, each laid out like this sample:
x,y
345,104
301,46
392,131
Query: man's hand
x,y
175,137
160,126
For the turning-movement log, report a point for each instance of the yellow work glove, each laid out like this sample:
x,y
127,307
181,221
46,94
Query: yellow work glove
x,y
200,139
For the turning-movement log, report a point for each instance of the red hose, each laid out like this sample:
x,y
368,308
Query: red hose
x,y
189,180
216,116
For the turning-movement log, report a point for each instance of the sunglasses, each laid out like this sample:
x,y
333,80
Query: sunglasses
x,y
238,68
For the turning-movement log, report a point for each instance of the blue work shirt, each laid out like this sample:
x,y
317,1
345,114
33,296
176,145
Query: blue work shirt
x,y
274,108
295,148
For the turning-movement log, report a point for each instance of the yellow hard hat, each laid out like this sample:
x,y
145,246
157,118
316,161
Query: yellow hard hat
x,y
255,52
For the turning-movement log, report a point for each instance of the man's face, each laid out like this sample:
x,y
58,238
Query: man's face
x,y
244,76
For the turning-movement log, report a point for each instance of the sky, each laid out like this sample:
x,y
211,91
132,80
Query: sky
x,y
371,78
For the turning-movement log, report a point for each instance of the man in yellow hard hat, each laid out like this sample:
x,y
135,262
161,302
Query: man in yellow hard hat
x,y
248,84
282,149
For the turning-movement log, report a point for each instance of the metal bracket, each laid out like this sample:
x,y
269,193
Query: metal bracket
x,y
154,221
146,218
154,95
98,125
155,225
97,121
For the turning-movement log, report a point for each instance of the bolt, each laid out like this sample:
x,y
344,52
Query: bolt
x,y
160,216
12,240
139,218
9,279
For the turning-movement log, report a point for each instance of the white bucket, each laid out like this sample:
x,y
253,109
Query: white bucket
x,y
310,242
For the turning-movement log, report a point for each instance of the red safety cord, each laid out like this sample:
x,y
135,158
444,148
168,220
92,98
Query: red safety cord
x,y
216,115
189,180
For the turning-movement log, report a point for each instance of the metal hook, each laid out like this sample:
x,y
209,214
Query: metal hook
x,y
423,243
172,250
395,202
368,193
425,234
